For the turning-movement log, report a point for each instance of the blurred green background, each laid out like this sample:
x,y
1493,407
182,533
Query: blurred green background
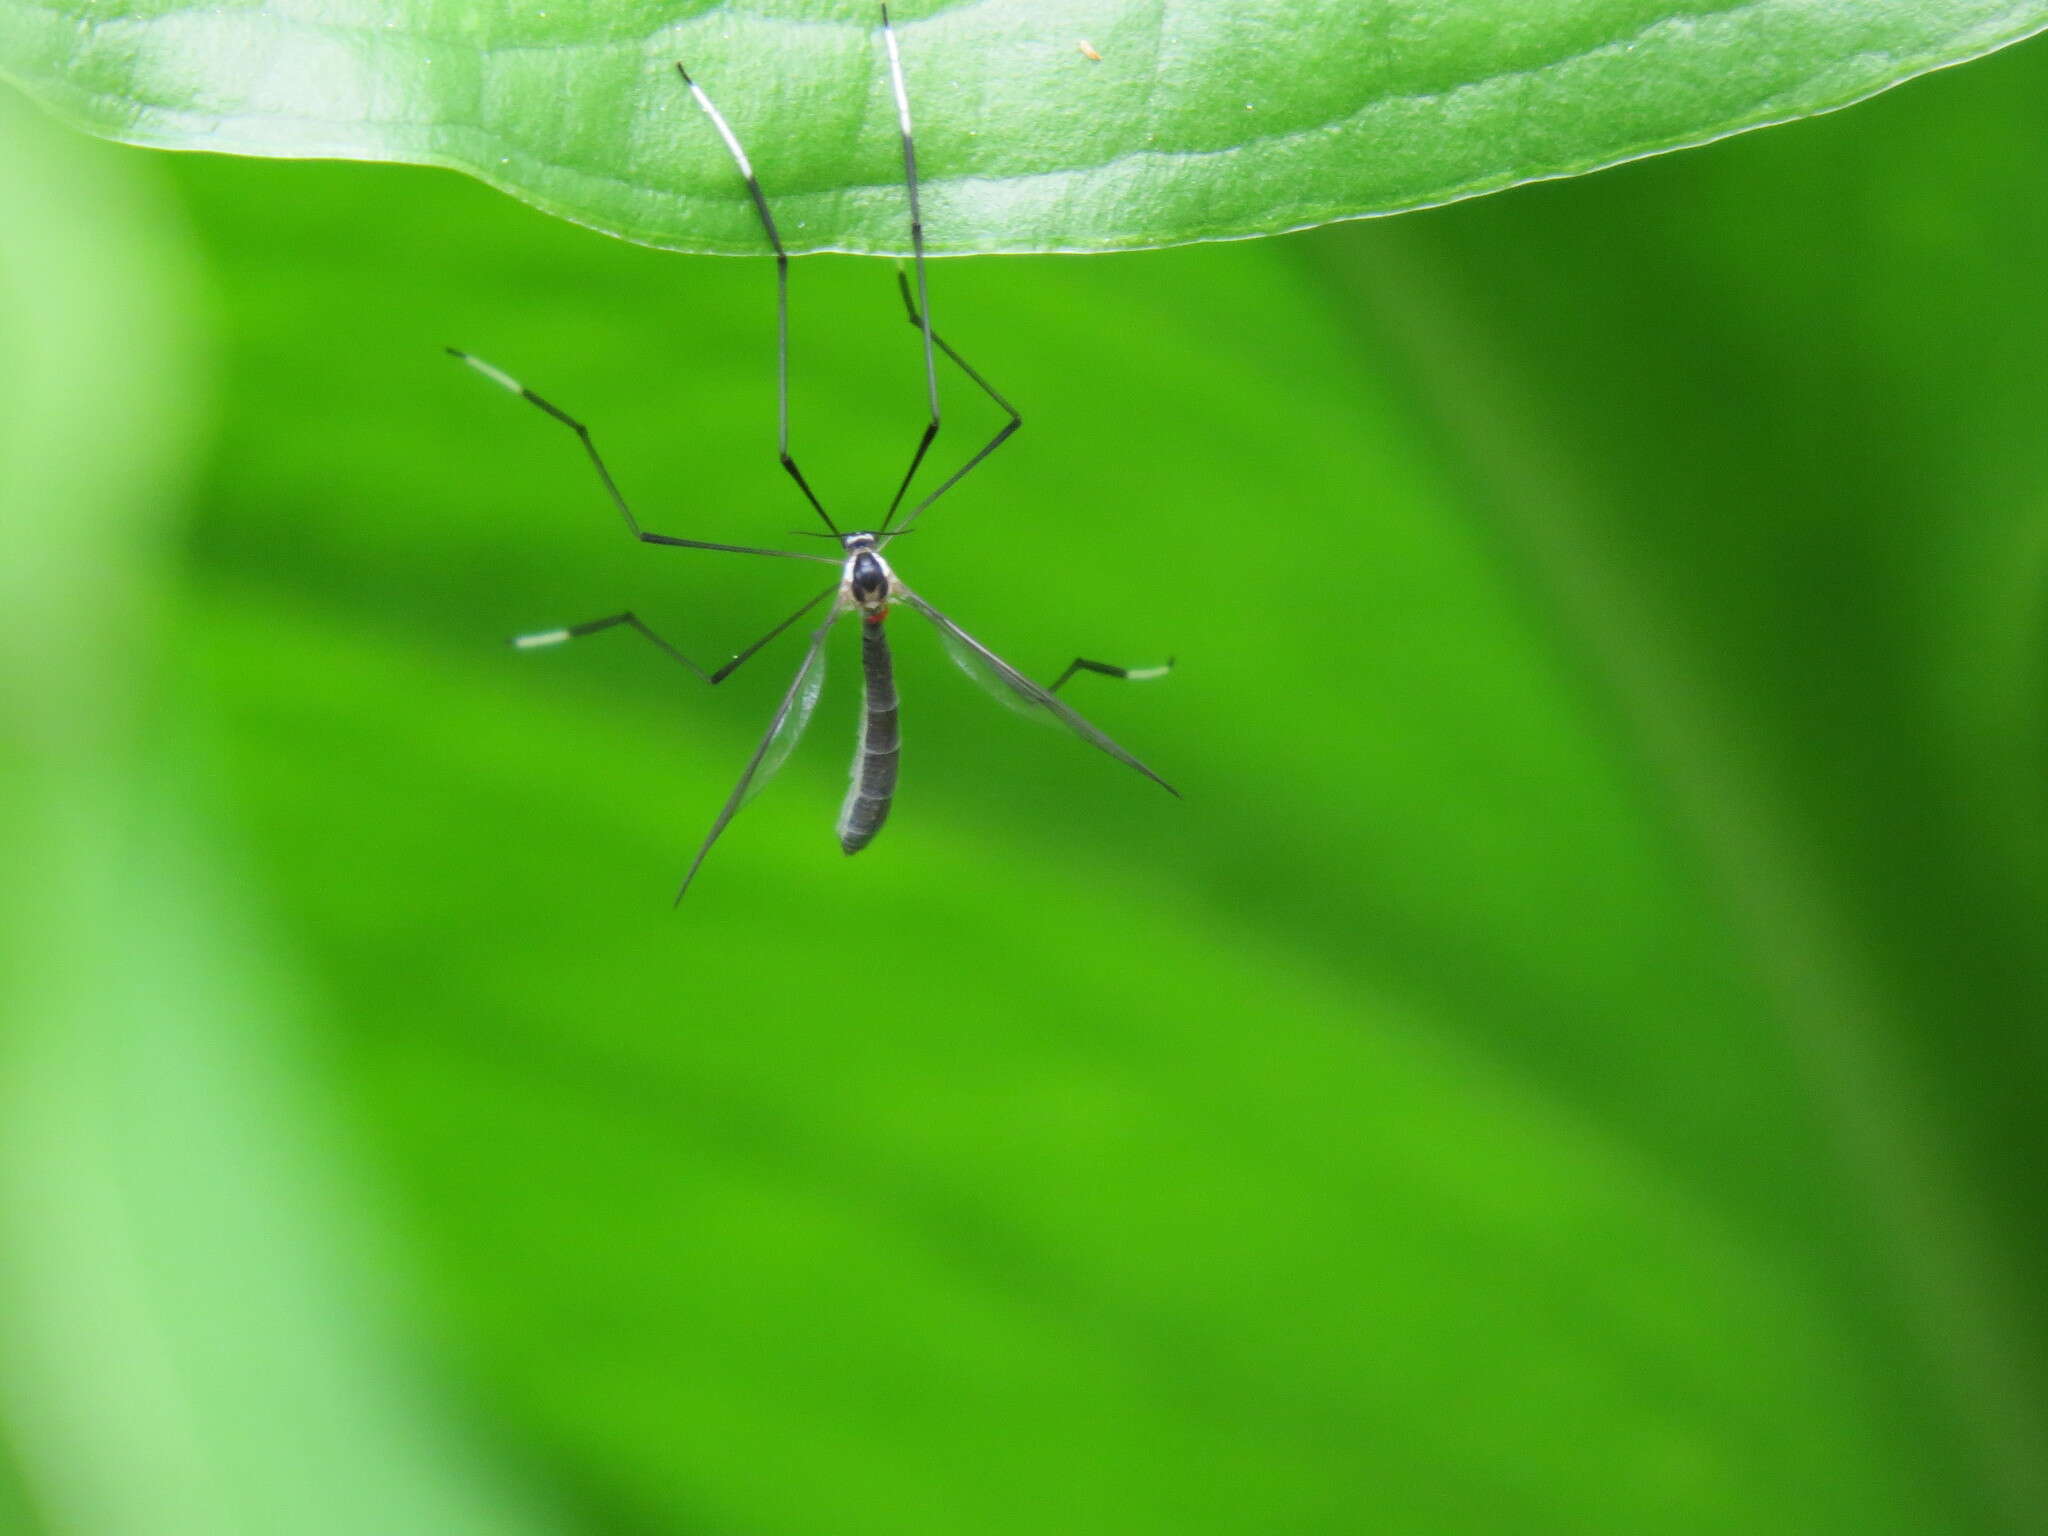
x,y
1572,1063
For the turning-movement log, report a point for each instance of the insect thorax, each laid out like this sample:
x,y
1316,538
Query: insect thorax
x,y
867,578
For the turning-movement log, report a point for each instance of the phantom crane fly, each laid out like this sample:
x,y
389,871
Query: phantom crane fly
x,y
866,583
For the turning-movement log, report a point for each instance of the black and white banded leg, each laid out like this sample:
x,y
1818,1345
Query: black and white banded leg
x,y
633,622
1128,674
921,311
746,168
505,381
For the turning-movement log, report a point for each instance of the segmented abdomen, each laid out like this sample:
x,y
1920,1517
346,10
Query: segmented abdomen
x,y
875,759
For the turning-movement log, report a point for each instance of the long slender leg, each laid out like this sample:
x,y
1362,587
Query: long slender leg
x,y
987,448
634,622
1128,674
921,312
505,381
781,295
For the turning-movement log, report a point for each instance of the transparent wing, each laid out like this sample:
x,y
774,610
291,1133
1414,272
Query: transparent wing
x,y
784,731
1014,688
791,720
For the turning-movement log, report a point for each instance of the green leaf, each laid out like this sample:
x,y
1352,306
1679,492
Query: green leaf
x,y
195,1329
1196,122
1571,1064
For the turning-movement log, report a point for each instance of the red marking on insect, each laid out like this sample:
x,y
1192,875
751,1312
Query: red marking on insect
x,y
876,617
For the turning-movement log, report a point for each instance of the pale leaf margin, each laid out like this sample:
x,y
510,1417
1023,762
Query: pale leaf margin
x,y
1173,125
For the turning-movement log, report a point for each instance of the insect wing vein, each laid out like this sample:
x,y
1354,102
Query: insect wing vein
x,y
791,716
1013,687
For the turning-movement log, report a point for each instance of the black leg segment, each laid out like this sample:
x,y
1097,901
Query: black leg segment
x,y
632,621
921,320
921,311
746,168
505,381
1128,674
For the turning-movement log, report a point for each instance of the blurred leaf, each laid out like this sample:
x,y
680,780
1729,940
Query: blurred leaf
x,y
1191,123
195,1333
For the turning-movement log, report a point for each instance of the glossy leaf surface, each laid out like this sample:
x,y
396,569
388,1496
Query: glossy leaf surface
x,y
1088,125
